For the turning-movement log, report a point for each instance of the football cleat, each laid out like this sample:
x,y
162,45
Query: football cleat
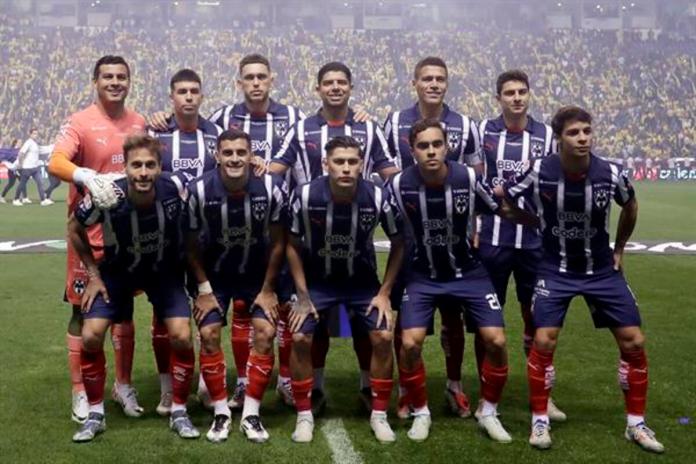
x,y
540,437
219,429
420,429
284,391
458,403
252,428
17,203
304,429
644,437
26,201
80,407
236,403
165,405
366,397
318,402
555,414
381,428
495,430
403,408
128,399
180,422
94,425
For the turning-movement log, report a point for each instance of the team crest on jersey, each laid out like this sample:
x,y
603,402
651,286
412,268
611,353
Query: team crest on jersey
x,y
280,128
171,208
453,140
537,149
258,209
461,203
361,140
211,146
79,286
600,198
367,221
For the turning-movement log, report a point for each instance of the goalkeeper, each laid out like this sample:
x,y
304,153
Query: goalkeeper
x,y
89,155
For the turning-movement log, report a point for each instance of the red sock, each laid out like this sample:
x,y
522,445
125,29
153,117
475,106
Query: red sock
x,y
240,336
538,365
284,341
320,349
452,342
161,345
74,354
182,363
214,372
633,379
259,370
363,350
123,339
414,382
93,364
493,381
381,393
302,392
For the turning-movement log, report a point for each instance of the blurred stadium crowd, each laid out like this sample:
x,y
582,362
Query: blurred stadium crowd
x,y
642,92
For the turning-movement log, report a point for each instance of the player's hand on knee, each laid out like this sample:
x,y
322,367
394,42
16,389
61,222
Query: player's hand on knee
x,y
104,191
382,304
204,304
299,311
95,287
259,165
158,120
268,302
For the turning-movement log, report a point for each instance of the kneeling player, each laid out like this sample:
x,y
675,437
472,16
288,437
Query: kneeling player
x,y
236,246
332,259
437,200
573,192
142,252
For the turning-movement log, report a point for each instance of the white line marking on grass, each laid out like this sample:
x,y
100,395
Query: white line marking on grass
x,y
342,450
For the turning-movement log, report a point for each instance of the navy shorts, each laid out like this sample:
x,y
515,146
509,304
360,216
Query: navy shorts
x,y
473,293
501,262
167,294
608,296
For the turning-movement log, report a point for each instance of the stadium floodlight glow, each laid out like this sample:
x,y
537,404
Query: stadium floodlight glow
x,y
200,3
559,4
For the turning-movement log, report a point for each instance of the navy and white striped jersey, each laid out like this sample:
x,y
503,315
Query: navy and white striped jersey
x,y
574,214
266,130
303,148
508,154
463,143
338,237
234,228
191,153
141,242
441,220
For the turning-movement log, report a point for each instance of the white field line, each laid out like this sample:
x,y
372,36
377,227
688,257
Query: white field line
x,y
342,451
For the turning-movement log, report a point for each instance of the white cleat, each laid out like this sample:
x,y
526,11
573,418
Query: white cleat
x,y
94,425
128,400
17,203
80,407
644,437
180,422
495,430
253,430
381,428
26,201
304,429
284,391
2,200
420,429
555,414
219,429
540,437
164,408
46,202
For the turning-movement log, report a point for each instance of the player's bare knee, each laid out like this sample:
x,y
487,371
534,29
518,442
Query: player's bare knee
x,y
91,340
180,339
210,338
546,339
301,342
632,341
382,342
495,342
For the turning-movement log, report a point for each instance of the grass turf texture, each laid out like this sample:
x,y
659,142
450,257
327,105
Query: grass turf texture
x,y
35,388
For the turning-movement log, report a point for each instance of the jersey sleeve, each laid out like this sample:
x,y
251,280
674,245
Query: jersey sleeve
x,y
69,139
485,202
390,217
295,212
522,184
389,134
218,117
87,213
193,213
279,201
623,190
379,152
471,152
289,150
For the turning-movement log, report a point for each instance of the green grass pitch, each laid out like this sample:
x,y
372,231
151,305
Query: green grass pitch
x,y
35,388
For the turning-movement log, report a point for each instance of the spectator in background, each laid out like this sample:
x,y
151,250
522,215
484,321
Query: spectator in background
x,y
8,158
28,166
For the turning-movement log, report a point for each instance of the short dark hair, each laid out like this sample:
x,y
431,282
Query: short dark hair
x,y
254,58
568,114
109,59
185,75
511,75
429,61
142,141
233,134
334,66
342,141
423,124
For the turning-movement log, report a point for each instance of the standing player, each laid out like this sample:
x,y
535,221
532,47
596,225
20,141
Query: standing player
x,y
430,80
511,142
438,199
572,192
332,259
188,146
142,251
28,166
89,147
236,248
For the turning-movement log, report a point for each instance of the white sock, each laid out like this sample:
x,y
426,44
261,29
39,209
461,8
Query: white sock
x,y
364,379
251,407
632,420
488,408
222,408
305,415
202,387
165,383
123,388
178,407
424,411
319,379
540,417
242,380
98,408
381,414
454,385
283,380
